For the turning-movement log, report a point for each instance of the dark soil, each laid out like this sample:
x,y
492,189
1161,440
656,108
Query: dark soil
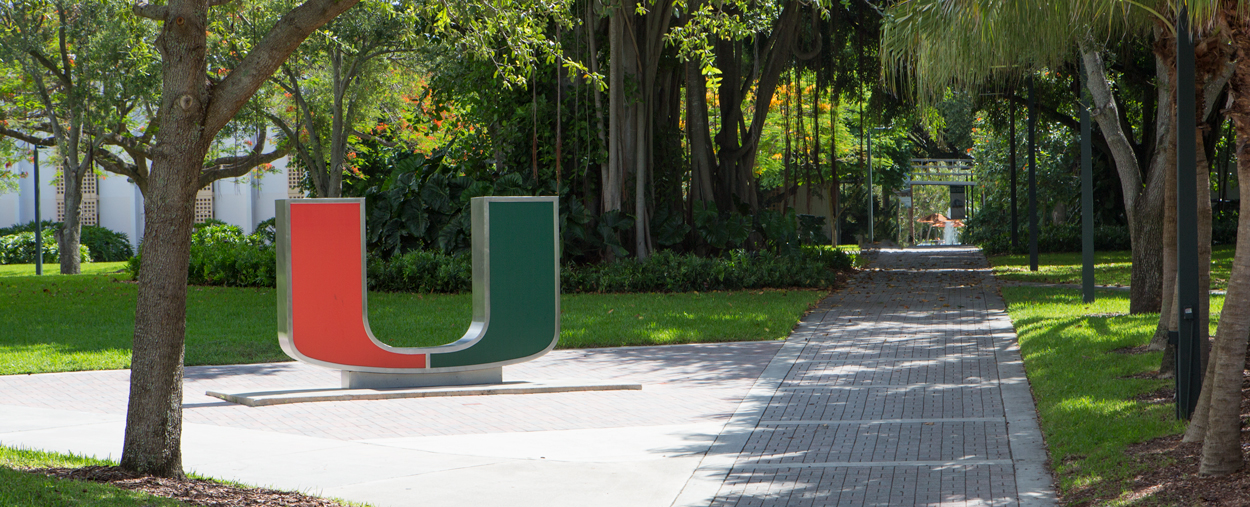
x,y
191,491
1132,351
1169,470
1160,396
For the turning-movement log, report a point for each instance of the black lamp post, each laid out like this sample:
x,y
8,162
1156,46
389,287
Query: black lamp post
x,y
1189,346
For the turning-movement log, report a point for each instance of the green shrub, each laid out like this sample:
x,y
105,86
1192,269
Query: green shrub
x,y
249,264
1224,227
831,257
671,272
105,245
28,227
222,255
19,248
421,271
268,230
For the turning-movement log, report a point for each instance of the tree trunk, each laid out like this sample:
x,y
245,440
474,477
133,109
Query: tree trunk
x,y
1168,321
1221,448
600,129
1196,431
737,142
1211,63
154,417
192,111
1146,294
1142,200
619,130
340,122
69,236
702,160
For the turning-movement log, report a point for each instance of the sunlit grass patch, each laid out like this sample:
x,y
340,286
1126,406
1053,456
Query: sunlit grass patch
x,y
1085,396
1110,268
52,268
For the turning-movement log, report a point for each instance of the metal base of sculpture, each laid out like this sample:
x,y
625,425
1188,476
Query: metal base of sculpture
x,y
366,380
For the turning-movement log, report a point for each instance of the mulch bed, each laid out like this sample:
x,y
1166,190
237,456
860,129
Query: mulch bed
x,y
191,491
1170,470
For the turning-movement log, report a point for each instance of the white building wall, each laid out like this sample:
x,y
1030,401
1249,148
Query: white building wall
x,y
270,188
121,207
232,203
10,207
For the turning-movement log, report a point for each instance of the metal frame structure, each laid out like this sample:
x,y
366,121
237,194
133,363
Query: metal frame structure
x,y
949,172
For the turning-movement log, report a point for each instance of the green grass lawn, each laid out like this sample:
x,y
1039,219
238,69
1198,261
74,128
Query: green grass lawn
x,y
88,268
1110,268
18,488
85,322
1084,399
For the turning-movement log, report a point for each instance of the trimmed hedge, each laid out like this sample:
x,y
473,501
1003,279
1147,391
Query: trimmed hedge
x,y
669,272
421,271
222,255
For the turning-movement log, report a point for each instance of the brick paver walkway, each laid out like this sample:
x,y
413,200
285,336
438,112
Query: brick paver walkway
x,y
896,395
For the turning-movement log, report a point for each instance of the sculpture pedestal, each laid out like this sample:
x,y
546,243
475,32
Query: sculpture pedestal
x,y
366,380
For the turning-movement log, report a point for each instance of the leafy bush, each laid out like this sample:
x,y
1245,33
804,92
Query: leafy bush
x,y
222,255
831,257
421,271
19,248
219,257
1224,227
720,230
29,227
267,230
106,245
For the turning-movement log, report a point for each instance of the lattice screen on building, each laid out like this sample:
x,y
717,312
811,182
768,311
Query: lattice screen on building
x,y
89,208
293,178
204,204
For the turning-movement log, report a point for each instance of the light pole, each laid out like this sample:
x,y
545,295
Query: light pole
x,y
1190,342
871,224
38,219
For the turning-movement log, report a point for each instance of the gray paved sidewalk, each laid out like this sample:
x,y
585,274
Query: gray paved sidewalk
x,y
610,448
904,388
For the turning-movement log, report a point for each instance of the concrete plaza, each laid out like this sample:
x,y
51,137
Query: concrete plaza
x,y
902,388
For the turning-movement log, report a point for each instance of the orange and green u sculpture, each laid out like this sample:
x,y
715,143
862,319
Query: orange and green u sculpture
x,y
322,313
